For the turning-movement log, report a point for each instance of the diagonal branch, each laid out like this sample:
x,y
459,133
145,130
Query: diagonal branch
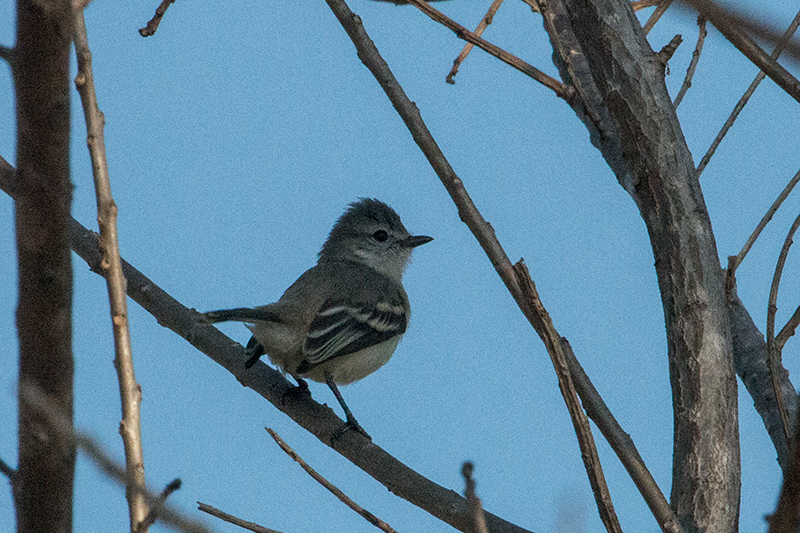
x,y
747,94
485,21
731,28
344,498
561,90
319,420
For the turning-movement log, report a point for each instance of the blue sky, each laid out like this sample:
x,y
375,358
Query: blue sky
x,y
235,138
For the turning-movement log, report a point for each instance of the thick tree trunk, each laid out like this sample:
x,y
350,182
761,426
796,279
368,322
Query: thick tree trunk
x,y
43,485
601,49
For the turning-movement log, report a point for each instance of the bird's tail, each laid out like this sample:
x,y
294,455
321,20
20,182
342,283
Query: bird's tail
x,y
241,314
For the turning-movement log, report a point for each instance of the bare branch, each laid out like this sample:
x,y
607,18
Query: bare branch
x,y
773,354
638,5
152,26
130,391
733,30
251,526
473,502
369,517
698,49
7,54
788,330
660,10
533,309
561,90
485,21
735,262
747,94
7,471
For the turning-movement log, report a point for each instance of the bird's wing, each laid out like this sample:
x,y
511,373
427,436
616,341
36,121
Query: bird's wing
x,y
341,328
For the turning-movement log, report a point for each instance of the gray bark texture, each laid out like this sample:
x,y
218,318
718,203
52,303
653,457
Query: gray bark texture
x,y
600,49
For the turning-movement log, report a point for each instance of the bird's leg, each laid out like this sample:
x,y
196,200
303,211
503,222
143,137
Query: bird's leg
x,y
351,420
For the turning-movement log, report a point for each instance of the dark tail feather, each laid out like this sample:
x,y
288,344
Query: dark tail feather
x,y
241,314
253,351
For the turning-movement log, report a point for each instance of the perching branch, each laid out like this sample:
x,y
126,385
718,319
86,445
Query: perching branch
x,y
344,498
319,420
130,391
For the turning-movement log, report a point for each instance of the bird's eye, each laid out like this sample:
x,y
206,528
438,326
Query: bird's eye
x,y
380,235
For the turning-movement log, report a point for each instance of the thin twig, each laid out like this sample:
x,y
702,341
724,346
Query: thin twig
x,y
788,330
33,396
7,54
561,90
534,310
152,26
485,21
698,49
747,94
7,471
773,354
157,506
734,263
235,520
733,28
369,517
130,391
660,10
474,506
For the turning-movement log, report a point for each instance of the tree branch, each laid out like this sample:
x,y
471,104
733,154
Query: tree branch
x,y
784,40
366,515
130,391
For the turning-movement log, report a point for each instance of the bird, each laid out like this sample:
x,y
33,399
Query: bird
x,y
344,317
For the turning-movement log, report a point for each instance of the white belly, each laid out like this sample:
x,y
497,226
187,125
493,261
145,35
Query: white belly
x,y
354,366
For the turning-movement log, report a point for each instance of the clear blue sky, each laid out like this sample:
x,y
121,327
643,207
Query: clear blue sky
x,y
238,133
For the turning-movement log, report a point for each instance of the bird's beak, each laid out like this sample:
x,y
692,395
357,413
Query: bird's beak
x,y
412,241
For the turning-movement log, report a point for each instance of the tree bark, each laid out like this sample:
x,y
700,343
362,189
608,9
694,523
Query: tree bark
x,y
43,485
601,49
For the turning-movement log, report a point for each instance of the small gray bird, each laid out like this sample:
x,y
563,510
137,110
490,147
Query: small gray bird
x,y
343,318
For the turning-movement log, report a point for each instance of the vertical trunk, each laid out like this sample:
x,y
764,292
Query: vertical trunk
x,y
43,485
600,48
